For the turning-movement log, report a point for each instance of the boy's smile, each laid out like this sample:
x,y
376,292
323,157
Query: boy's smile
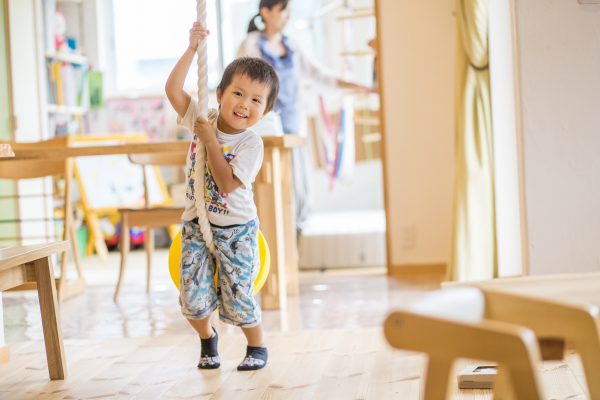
x,y
243,104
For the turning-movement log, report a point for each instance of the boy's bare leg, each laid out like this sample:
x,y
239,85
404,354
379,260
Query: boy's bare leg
x,y
203,327
255,336
209,354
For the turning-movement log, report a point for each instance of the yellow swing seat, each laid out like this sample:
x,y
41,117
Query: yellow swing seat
x,y
261,278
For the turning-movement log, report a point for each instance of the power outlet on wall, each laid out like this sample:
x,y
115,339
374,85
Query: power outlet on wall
x,y
408,237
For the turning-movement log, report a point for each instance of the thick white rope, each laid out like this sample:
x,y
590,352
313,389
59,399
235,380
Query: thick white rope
x,y
200,164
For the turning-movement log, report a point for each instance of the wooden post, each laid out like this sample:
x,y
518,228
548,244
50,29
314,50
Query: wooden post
x,y
268,188
289,223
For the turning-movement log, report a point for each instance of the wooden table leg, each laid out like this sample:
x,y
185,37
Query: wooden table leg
x,y
125,247
46,287
149,247
67,288
4,354
98,236
270,212
289,223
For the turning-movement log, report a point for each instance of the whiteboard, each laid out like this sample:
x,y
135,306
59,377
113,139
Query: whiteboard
x,y
114,182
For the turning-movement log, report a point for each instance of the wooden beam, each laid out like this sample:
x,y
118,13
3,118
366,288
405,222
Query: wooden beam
x,y
127,148
418,271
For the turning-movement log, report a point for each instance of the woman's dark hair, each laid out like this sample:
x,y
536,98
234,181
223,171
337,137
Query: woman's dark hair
x,y
268,4
255,69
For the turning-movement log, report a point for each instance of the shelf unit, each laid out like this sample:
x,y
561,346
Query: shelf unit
x,y
358,53
358,13
66,110
66,69
65,88
67,58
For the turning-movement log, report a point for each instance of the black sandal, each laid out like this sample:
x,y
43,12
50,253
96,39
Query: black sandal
x,y
256,358
209,356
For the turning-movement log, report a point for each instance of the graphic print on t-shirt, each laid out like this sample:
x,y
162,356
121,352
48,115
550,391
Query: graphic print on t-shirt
x,y
189,190
214,199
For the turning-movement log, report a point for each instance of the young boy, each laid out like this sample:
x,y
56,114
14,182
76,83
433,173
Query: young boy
x,y
234,154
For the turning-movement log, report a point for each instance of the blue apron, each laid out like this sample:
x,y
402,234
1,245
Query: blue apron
x,y
287,100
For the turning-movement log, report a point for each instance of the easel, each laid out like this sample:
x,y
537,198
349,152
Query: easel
x,y
96,206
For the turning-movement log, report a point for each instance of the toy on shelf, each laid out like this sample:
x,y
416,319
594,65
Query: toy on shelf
x,y
60,30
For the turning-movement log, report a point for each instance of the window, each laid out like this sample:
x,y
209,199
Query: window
x,y
149,37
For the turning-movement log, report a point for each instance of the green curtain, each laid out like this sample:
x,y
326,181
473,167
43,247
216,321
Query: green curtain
x,y
474,229
8,205
5,133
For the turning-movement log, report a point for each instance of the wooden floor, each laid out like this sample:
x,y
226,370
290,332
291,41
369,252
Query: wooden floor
x,y
328,344
329,364
349,299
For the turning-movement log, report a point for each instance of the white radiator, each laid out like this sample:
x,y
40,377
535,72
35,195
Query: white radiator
x,y
343,239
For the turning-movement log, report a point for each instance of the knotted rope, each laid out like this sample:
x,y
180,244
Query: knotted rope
x,y
200,164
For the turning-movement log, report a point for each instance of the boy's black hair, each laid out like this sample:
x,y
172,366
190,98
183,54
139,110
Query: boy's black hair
x,y
255,69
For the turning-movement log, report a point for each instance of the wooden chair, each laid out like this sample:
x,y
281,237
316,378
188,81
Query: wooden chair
x,y
22,168
451,324
24,264
555,322
147,217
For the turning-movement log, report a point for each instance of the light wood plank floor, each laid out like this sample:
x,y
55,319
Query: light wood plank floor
x,y
327,345
327,364
339,299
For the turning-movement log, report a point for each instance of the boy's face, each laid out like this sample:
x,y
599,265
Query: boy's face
x,y
243,103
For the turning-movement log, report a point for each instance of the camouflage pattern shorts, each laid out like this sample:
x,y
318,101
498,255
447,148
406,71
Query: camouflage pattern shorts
x,y
238,264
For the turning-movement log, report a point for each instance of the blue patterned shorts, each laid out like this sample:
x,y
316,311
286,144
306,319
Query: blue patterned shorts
x,y
238,263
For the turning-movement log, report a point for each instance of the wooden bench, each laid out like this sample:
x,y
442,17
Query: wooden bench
x,y
562,309
24,168
27,264
496,321
451,324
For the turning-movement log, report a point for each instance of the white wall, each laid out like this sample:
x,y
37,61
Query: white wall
x,y
28,97
5,126
25,36
363,191
506,143
417,46
559,51
26,101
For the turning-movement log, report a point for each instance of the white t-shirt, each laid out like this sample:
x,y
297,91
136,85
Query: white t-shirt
x,y
244,152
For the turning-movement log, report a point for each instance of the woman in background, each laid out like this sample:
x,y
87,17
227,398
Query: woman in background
x,y
266,40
